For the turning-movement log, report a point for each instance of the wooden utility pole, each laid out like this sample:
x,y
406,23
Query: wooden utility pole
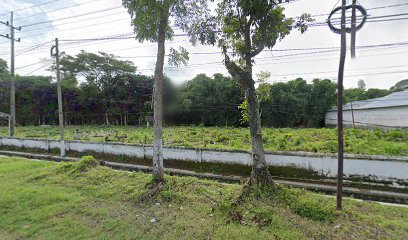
x,y
12,123
56,54
340,107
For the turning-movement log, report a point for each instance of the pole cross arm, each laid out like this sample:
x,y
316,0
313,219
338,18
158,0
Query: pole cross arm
x,y
8,37
8,25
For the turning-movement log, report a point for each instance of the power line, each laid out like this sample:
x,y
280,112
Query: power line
x,y
37,69
388,6
29,65
55,10
70,22
31,7
70,17
74,28
373,8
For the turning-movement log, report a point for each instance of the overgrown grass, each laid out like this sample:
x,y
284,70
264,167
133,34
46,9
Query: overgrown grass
x,y
44,200
359,141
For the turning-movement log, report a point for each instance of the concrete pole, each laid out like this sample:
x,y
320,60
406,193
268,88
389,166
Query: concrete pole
x,y
12,125
353,30
60,110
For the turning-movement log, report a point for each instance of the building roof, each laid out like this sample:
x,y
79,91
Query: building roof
x,y
396,99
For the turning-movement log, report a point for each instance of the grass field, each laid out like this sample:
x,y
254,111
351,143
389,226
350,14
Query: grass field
x,y
46,200
324,140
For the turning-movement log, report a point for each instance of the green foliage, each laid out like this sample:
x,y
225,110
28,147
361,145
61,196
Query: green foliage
x,y
3,68
178,58
324,140
86,163
305,204
244,112
358,94
149,17
401,85
97,69
110,87
267,22
209,100
301,202
297,103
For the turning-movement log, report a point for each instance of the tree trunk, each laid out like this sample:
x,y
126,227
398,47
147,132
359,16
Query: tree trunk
x,y
107,119
158,100
260,175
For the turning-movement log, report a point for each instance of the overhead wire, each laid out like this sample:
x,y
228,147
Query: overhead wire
x,y
118,38
37,69
56,10
70,17
31,7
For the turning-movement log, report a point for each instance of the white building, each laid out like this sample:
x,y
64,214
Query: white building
x,y
387,112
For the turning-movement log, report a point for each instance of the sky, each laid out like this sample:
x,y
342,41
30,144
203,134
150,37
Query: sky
x,y
379,67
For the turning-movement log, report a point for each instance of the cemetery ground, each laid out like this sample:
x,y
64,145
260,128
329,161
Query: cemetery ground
x,y
48,200
324,140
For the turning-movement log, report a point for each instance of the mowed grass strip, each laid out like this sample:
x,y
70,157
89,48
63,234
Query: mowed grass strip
x,y
323,140
47,200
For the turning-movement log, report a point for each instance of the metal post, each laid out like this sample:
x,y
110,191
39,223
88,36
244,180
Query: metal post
x,y
340,107
59,92
12,124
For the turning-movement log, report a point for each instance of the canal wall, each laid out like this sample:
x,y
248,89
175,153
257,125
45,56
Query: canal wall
x,y
365,167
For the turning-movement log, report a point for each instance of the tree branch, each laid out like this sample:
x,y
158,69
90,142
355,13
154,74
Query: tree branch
x,y
257,51
240,75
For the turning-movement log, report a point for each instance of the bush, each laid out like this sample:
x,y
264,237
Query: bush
x,y
85,164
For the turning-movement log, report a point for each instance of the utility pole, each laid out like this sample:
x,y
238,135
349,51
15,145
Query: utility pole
x,y
56,54
353,30
343,30
12,124
340,133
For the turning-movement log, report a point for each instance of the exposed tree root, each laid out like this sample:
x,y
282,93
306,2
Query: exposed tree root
x,y
153,189
261,177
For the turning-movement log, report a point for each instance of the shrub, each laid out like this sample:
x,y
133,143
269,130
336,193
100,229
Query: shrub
x,y
86,163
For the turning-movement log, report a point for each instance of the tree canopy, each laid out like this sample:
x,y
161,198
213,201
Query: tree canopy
x,y
3,66
245,28
210,101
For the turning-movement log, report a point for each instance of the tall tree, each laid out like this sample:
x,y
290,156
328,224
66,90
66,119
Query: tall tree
x,y
246,28
3,67
210,101
152,20
361,84
105,76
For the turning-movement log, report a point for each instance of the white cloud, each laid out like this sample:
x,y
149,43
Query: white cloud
x,y
117,21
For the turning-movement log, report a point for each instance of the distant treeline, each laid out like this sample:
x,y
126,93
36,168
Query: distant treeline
x,y
100,89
